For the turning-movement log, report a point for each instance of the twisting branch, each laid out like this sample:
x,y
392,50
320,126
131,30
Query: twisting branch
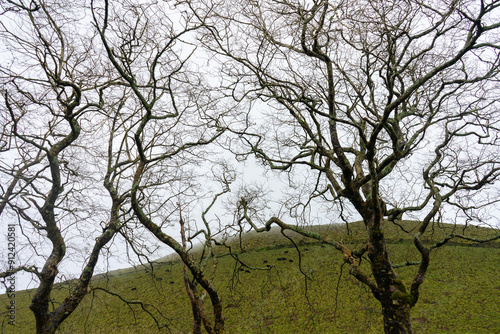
x,y
349,257
144,306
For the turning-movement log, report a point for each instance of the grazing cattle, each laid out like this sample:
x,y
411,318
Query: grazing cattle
x,y
172,282
286,252
247,271
133,289
265,261
290,260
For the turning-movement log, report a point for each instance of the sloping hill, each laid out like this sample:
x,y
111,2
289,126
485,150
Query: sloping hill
x,y
271,293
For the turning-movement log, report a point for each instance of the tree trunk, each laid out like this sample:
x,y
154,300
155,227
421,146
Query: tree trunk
x,y
392,293
396,317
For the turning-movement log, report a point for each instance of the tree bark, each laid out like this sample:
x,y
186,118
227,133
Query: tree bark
x,y
392,293
396,317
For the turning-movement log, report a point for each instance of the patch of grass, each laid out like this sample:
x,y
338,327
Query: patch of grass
x,y
272,294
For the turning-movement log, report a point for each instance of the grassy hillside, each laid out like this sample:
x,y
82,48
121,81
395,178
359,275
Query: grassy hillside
x,y
271,295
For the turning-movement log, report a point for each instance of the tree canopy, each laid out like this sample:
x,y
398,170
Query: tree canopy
x,y
118,118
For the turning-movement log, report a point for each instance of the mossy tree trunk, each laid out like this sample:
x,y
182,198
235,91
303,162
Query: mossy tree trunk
x,y
391,291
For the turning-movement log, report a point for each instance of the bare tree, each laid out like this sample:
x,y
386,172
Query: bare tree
x,y
50,86
175,120
391,104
